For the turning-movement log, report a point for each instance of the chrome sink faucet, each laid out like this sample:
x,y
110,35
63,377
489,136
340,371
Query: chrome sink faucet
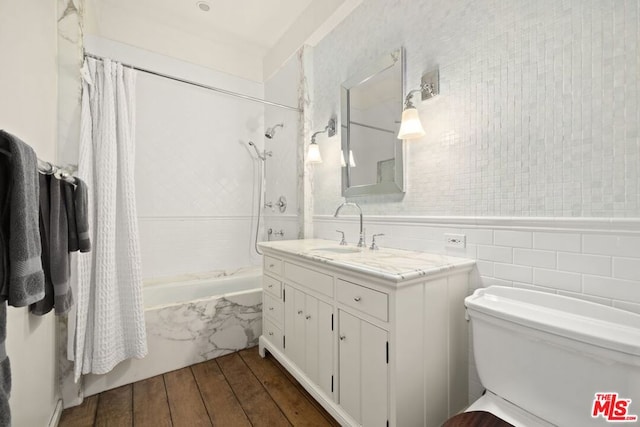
x,y
361,243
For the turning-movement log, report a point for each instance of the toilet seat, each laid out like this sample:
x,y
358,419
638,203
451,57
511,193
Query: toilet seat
x,y
506,411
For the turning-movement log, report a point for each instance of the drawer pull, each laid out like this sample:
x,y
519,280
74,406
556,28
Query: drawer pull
x,y
271,333
271,265
299,311
343,337
357,299
307,317
270,308
270,286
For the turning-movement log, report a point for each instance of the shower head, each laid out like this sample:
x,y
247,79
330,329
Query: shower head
x,y
272,130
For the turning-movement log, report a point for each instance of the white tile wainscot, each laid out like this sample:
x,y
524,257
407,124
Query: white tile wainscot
x,y
379,338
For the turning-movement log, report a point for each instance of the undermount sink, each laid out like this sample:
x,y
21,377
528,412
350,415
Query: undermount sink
x,y
339,250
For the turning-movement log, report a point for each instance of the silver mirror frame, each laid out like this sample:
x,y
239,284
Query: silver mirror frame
x,y
397,186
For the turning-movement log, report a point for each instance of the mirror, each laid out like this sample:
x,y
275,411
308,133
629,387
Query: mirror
x,y
371,106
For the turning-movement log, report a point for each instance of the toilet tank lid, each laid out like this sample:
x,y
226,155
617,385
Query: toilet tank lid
x,y
585,321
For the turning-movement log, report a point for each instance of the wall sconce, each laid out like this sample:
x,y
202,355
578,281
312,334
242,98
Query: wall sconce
x,y
313,153
411,128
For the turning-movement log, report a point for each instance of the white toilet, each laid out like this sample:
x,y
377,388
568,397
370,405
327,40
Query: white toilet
x,y
543,358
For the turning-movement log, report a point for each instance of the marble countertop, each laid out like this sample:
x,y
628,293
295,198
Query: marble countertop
x,y
396,265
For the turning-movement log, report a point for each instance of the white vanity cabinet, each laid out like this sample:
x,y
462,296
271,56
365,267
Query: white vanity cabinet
x,y
379,339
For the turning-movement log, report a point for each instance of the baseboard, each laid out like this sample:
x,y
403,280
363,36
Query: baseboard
x,y
57,413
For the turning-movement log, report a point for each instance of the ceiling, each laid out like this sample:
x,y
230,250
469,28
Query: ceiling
x,y
258,22
251,39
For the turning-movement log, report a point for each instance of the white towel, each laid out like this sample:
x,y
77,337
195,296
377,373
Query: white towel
x,y
109,325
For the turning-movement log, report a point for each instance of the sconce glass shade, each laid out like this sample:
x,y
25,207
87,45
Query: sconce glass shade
x,y
313,153
410,128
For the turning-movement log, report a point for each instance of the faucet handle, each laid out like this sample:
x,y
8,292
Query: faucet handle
x,y
374,247
343,242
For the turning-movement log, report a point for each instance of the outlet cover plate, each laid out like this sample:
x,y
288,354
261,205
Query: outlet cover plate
x,y
458,241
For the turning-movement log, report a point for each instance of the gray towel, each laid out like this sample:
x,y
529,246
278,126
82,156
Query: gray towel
x,y
21,275
55,249
5,370
69,203
81,201
25,284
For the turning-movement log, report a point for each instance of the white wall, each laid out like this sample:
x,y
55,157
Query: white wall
x,y
29,91
532,147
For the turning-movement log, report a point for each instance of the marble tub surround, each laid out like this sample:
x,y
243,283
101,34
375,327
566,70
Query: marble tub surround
x,y
214,274
395,265
184,333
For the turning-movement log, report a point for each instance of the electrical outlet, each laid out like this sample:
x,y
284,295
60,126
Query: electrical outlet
x,y
458,241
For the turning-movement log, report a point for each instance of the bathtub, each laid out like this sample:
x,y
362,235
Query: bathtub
x,y
191,319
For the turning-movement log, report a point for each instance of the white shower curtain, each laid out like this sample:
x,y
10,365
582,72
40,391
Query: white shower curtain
x,y
109,324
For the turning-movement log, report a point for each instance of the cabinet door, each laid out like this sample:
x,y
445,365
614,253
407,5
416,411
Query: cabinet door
x,y
319,338
311,329
363,371
349,335
294,328
325,347
375,378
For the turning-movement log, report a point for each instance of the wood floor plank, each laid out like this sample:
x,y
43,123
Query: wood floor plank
x,y
115,407
185,402
295,406
222,405
150,403
82,415
302,390
257,404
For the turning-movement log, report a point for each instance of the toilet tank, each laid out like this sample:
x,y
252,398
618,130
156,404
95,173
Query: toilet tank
x,y
552,355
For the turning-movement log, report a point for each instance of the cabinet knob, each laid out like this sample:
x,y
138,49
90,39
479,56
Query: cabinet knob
x,y
343,337
299,311
307,317
270,308
271,333
357,299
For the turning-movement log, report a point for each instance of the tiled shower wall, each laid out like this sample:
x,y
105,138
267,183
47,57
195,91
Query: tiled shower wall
x,y
538,110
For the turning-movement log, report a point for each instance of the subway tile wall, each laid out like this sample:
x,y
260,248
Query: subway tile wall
x,y
601,265
538,112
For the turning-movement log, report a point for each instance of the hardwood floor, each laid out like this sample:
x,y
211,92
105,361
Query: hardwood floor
x,y
240,389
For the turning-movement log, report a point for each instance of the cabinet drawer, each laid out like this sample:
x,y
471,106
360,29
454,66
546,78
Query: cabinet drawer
x,y
272,333
311,279
273,265
272,286
272,307
364,299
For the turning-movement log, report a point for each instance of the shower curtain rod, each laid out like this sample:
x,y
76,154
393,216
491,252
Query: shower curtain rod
x,y
190,82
